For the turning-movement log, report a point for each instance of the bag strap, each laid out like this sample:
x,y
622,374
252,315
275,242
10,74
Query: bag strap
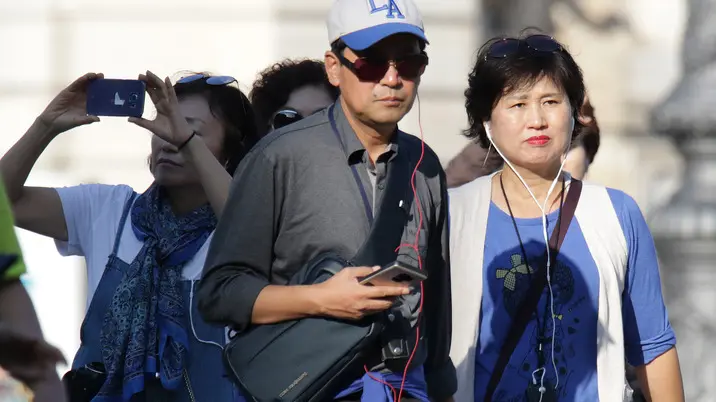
x,y
122,221
524,312
393,209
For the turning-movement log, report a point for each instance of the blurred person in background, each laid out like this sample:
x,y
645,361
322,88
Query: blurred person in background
x,y
509,17
475,161
24,354
289,91
542,322
143,252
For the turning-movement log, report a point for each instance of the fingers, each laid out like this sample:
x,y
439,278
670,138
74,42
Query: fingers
x,y
156,94
141,122
157,127
155,86
377,305
171,94
50,354
84,120
153,80
382,292
81,82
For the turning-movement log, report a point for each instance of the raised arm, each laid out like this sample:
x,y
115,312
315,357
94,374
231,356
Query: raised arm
x,y
171,126
39,209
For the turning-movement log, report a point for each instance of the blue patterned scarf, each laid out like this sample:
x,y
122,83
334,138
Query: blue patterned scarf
x,y
144,330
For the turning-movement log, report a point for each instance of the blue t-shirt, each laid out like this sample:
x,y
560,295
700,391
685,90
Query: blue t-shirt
x,y
575,286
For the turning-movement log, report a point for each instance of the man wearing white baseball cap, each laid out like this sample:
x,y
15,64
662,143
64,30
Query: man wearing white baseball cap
x,y
360,24
312,187
377,58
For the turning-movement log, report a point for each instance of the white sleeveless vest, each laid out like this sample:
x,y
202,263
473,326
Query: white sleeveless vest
x,y
469,207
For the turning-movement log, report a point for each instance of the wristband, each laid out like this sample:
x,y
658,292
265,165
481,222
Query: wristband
x,y
183,144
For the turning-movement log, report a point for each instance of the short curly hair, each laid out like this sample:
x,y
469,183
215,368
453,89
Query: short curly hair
x,y
492,77
275,84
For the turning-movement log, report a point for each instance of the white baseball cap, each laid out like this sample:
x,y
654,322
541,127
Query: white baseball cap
x,y
362,23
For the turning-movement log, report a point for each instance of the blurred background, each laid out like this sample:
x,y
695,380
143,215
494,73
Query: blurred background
x,y
650,68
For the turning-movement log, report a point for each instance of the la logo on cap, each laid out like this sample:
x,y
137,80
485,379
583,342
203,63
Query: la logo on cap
x,y
390,6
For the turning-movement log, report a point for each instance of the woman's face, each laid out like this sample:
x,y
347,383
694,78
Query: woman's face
x,y
308,99
169,167
532,126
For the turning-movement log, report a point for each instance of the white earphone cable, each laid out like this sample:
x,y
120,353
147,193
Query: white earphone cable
x,y
542,208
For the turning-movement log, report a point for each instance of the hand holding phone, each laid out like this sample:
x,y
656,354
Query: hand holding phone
x,y
341,296
112,97
170,124
69,108
394,274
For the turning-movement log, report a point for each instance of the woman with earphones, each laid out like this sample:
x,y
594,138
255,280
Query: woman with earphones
x,y
539,323
142,338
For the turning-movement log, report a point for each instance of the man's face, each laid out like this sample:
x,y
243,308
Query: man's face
x,y
385,99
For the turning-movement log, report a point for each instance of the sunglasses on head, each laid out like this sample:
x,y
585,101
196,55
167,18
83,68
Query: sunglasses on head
x,y
284,117
210,79
374,68
509,46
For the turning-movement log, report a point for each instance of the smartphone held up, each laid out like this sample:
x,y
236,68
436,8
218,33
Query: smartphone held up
x,y
116,97
394,274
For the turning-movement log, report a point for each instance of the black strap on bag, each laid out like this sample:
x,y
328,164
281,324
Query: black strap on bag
x,y
524,312
314,358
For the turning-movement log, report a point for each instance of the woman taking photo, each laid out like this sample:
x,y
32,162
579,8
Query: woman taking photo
x,y
533,323
144,252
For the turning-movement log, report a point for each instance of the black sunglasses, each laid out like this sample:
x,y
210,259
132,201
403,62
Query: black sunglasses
x,y
210,79
374,68
284,117
508,46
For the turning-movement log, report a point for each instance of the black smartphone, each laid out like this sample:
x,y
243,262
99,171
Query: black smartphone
x,y
394,273
84,383
108,97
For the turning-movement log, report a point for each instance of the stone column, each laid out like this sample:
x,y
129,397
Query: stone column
x,y
685,231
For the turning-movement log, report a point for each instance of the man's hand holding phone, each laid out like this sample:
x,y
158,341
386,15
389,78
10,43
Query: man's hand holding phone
x,y
342,296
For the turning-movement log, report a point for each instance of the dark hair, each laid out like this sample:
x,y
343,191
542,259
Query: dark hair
x,y
492,77
275,84
589,136
228,104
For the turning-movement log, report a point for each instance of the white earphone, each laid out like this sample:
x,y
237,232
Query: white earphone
x,y
542,207
191,317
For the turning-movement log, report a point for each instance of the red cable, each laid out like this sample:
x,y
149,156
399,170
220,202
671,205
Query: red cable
x,y
414,247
